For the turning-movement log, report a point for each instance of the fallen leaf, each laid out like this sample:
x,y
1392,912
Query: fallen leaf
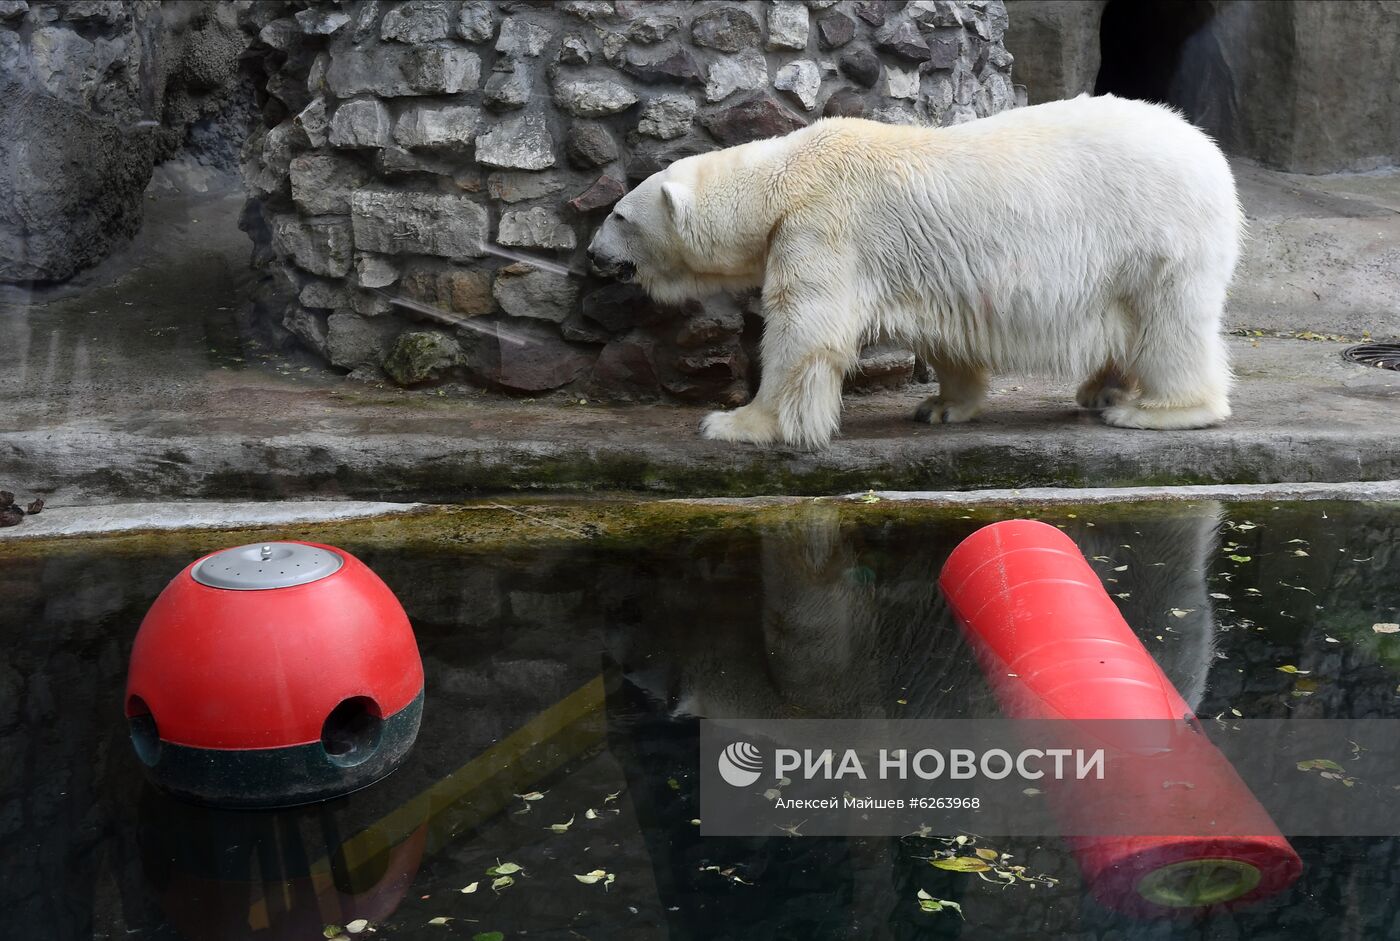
x,y
1240,558
439,920
532,796
590,814
928,903
504,869
502,882
1319,764
986,853
356,926
468,890
589,878
1385,628
961,864
562,827
1290,668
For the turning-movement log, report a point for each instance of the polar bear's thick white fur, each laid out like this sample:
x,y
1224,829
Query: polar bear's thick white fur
x,y
1091,238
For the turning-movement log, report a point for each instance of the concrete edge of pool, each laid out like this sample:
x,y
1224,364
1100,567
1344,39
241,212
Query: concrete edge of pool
x,y
132,518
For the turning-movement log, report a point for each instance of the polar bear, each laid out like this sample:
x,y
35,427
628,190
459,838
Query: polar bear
x,y
1091,238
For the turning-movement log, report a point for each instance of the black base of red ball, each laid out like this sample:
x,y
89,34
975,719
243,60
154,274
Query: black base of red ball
x,y
352,755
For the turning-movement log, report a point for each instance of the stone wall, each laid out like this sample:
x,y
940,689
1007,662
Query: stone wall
x,y
93,93
1300,85
401,139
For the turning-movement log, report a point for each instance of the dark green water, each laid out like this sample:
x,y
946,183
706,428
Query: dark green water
x,y
606,652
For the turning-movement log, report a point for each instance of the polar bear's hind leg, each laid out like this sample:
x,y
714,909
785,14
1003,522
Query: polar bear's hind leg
x,y
962,391
1180,366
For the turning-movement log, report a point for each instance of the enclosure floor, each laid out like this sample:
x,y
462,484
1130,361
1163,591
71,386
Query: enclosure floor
x,y
134,385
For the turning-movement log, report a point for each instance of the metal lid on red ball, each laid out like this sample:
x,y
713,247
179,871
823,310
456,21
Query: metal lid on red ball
x,y
266,565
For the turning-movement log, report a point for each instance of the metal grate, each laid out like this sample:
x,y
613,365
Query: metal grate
x,y
1380,355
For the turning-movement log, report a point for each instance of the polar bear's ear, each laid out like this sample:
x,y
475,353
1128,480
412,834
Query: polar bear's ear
x,y
678,199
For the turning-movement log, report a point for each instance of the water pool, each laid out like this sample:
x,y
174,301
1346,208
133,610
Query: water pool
x,y
568,653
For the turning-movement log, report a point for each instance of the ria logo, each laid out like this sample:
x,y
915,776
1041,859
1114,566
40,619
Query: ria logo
x,y
740,764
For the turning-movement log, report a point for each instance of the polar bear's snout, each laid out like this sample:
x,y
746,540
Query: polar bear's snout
x,y
607,253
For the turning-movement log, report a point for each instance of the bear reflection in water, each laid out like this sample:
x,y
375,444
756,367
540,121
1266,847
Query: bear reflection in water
x,y
830,620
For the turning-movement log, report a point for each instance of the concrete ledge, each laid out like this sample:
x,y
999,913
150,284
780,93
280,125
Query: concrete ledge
x,y
136,517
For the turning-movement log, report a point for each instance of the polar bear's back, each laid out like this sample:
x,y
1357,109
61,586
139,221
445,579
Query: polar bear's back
x,y
1035,219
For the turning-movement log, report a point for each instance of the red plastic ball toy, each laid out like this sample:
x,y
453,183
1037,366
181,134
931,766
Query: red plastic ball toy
x,y
271,675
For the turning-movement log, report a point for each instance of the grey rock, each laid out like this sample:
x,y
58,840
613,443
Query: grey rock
x,y
323,293
517,187
316,75
844,103
415,21
619,307
593,98
475,23
835,29
670,64
756,118
313,123
574,50
13,9
521,143
321,22
894,114
520,37
396,161
422,125
537,227
605,191
788,25
900,83
944,51
861,66
508,90
579,330
728,29
590,10
422,356
729,74
364,122
526,291
541,362
613,44
590,145
902,38
396,70
281,34
356,342
266,172
873,11
627,367
322,183
393,223
804,80
881,367
716,321
309,326
318,246
375,271
366,21
667,116
653,28
934,13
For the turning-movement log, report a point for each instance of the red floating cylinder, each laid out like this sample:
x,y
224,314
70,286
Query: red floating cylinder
x,y
1055,647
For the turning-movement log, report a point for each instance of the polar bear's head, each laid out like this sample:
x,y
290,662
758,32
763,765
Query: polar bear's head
x,y
684,232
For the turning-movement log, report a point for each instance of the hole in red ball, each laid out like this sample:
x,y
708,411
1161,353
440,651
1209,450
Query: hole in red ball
x,y
145,736
351,732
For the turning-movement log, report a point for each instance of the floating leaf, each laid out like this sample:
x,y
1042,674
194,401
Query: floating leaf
x,y
611,878
590,814
1236,712
1220,596
772,794
612,797
1120,568
504,869
562,827
1290,668
1319,764
695,822
589,878
1385,628
1030,791
1181,612
1241,558
489,936
928,903
468,890
961,864
1300,552
673,784
356,926
532,796
986,853
439,920
331,931
502,882
870,496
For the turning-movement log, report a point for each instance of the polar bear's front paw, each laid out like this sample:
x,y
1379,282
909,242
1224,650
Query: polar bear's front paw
x,y
750,423
937,410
